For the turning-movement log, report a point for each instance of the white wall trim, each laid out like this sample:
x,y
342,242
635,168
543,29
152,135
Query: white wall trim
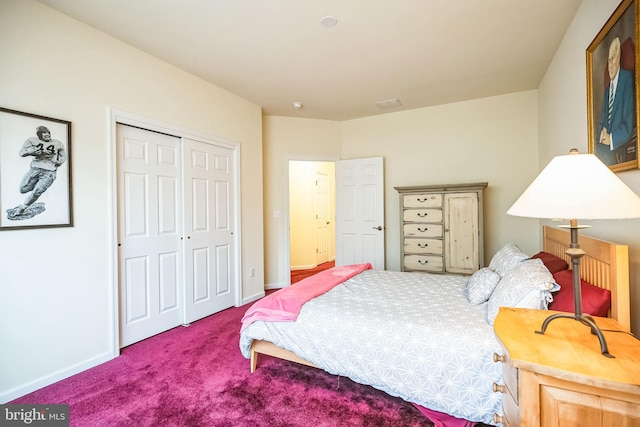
x,y
253,298
56,376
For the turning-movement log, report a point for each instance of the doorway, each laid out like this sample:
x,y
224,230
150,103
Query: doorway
x,y
311,214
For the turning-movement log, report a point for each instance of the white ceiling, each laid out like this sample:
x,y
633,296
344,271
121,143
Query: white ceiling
x,y
276,52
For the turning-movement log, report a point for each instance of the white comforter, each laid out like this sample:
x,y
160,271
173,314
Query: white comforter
x,y
412,335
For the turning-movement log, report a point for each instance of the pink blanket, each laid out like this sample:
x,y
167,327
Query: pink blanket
x,y
440,419
284,305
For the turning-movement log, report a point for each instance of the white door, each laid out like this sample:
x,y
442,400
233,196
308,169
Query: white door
x,y
322,218
209,228
149,232
360,212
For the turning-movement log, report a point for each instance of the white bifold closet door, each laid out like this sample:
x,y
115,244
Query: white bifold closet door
x,y
176,225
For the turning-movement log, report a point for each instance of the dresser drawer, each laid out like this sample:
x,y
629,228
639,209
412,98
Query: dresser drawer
x,y
422,215
422,200
510,378
510,411
422,230
431,263
510,391
423,246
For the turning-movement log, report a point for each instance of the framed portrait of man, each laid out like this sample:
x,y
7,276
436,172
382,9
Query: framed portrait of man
x,y
612,89
35,171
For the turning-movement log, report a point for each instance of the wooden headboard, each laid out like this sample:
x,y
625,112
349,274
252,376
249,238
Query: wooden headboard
x,y
605,265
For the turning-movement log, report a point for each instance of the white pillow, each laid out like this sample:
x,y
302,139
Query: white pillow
x,y
480,285
507,258
527,285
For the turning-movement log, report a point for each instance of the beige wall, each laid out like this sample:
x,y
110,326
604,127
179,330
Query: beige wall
x,y
285,139
490,140
57,299
497,144
563,125
302,212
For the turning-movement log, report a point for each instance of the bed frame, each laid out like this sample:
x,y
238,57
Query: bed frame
x,y
605,265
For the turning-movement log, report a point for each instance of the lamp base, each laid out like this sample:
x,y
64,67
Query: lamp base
x,y
585,319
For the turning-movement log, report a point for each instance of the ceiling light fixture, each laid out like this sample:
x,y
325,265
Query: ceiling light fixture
x,y
329,21
297,105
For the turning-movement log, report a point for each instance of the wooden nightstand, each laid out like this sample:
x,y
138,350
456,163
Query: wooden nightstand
x,y
560,378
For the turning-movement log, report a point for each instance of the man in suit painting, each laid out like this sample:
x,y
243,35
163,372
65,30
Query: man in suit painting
x,y
617,125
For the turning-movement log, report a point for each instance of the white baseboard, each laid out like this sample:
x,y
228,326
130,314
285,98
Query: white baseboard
x,y
8,396
252,298
302,267
270,286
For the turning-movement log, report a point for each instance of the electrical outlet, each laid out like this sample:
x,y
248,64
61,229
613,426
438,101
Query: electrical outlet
x,y
277,214
252,272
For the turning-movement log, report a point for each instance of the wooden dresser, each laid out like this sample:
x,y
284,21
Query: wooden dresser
x,y
441,228
561,378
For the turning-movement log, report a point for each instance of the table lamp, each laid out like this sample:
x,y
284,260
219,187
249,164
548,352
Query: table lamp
x,y
577,187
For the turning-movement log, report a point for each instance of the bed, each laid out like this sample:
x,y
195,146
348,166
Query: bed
x,y
415,335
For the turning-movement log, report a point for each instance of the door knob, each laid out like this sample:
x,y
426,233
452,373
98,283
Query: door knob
x,y
378,228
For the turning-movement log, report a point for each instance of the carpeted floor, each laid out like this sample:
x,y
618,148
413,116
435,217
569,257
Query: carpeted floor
x,y
196,376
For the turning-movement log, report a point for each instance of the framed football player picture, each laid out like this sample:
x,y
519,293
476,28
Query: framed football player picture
x,y
35,171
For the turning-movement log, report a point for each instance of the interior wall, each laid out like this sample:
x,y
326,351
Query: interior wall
x,y
492,140
285,139
302,212
57,301
497,144
563,125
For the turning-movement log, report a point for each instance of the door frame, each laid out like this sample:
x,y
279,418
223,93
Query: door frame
x,y
132,119
286,262
318,208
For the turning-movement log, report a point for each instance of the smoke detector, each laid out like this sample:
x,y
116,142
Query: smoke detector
x,y
388,103
329,21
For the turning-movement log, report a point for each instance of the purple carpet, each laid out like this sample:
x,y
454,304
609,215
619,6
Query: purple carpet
x,y
196,376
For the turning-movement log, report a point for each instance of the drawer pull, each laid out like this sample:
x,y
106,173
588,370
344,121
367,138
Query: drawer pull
x,y
498,388
423,214
498,419
422,200
498,358
422,230
423,261
423,245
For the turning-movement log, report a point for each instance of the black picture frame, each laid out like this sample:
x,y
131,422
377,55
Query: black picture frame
x,y
621,25
35,171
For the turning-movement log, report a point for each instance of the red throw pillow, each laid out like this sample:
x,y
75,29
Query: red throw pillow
x,y
595,301
552,262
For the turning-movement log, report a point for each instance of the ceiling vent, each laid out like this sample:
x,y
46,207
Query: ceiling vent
x,y
388,104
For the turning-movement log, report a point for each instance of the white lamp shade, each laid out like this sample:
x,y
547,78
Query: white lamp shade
x,y
577,186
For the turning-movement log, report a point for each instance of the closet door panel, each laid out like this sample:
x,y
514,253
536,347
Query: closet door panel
x,y
169,281
201,274
209,229
149,233
223,267
176,224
